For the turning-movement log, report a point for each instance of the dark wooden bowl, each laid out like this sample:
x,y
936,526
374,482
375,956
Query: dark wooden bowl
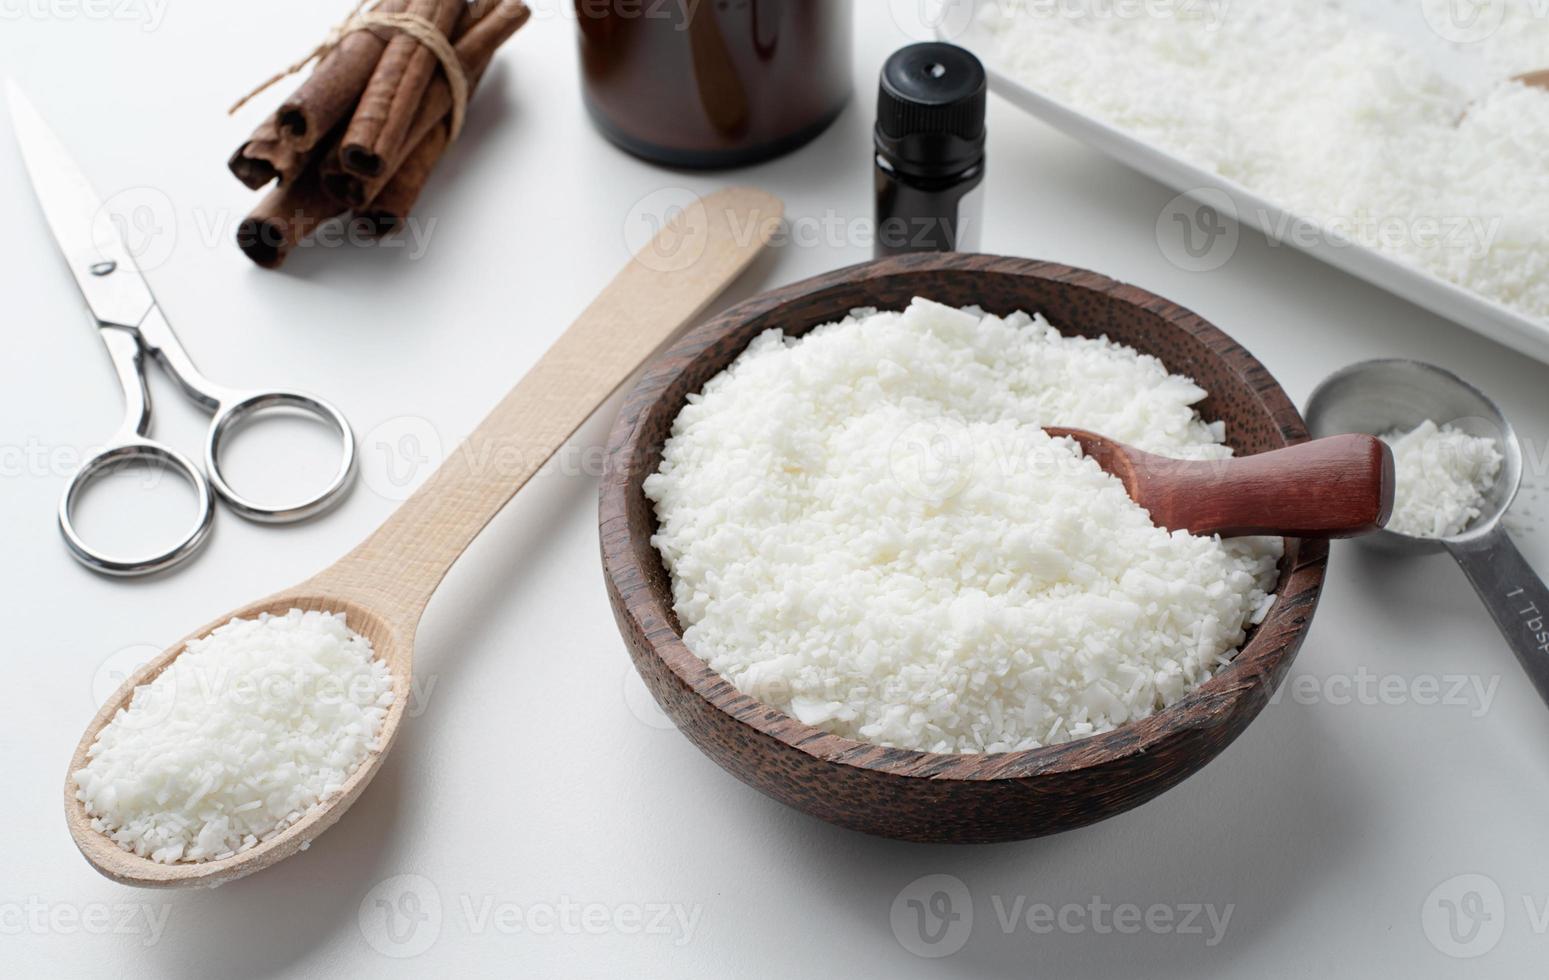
x,y
923,796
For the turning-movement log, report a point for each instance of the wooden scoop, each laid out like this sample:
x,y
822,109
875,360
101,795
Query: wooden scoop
x,y
1535,79
1337,487
1532,79
383,586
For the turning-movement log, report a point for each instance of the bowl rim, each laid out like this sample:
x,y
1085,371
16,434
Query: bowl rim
x,y
1245,685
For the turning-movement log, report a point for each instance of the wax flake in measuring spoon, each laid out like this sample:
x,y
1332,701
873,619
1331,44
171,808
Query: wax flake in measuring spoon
x,y
238,738
1442,476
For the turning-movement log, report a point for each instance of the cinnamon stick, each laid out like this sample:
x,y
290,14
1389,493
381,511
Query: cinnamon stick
x,y
379,130
325,99
486,31
287,216
390,210
265,157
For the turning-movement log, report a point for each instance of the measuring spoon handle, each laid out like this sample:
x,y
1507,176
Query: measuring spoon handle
x,y
1515,596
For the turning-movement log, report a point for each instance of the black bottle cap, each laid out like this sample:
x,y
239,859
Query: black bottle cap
x,y
930,109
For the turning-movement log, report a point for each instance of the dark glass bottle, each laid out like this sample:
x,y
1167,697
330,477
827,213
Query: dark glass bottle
x,y
930,150
714,83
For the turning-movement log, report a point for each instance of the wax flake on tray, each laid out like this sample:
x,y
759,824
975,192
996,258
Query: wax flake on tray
x,y
1327,115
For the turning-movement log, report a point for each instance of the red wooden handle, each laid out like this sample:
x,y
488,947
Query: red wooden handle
x,y
1336,487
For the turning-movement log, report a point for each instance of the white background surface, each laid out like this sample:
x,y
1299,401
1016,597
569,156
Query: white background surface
x,y
537,779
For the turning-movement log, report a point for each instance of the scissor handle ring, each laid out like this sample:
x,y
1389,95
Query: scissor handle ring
x,y
230,416
110,458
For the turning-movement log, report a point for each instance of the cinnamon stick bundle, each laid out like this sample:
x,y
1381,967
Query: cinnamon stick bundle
x,y
371,100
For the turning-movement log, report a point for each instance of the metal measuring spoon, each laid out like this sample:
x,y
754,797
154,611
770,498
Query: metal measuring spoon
x,y
1383,395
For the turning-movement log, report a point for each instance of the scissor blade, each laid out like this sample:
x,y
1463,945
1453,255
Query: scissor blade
x,y
102,265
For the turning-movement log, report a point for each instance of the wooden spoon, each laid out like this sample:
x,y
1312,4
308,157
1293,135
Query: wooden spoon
x,y
1336,487
1535,79
1532,79
383,586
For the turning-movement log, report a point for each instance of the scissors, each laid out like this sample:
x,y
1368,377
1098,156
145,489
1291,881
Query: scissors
x,y
132,325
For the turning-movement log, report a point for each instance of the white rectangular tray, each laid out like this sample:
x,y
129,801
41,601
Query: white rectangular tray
x,y
1477,313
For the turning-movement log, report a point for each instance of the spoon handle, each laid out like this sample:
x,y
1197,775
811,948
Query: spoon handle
x,y
662,289
1535,79
1515,596
1336,487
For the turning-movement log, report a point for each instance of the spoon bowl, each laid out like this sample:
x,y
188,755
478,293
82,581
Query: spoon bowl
x,y
392,641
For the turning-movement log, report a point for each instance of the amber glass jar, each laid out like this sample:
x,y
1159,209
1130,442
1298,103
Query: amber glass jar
x,y
714,83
